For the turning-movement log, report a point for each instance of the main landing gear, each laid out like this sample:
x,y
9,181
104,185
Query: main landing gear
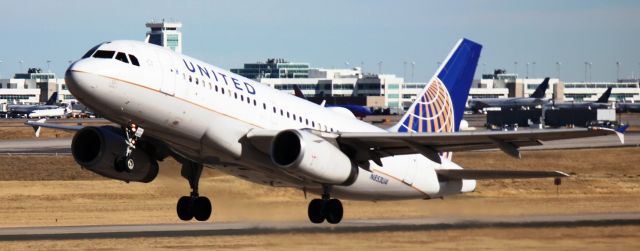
x,y
325,209
126,162
194,205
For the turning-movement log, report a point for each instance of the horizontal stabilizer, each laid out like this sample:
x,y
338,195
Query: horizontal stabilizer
x,y
498,174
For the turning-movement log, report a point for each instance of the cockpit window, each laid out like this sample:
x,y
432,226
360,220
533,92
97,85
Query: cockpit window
x,y
134,60
122,57
90,52
104,54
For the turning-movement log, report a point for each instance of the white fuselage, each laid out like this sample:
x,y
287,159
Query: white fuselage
x,y
203,113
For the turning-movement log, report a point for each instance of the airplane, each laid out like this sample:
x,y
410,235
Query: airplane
x,y
536,98
601,103
18,110
627,107
213,118
57,112
359,111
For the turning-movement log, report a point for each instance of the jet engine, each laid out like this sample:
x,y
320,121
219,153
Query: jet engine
x,y
306,155
100,148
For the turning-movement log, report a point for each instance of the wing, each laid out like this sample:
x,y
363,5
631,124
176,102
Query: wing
x,y
497,174
37,125
373,146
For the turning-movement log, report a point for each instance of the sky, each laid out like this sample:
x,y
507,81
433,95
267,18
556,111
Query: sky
x,y
341,33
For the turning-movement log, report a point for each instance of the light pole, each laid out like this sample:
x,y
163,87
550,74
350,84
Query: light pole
x,y
586,64
413,66
379,67
21,66
558,64
533,69
49,65
527,75
617,71
515,65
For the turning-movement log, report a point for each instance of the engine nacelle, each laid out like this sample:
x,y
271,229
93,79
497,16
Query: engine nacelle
x,y
304,154
98,149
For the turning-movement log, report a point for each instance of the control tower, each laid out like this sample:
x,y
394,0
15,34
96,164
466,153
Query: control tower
x,y
165,34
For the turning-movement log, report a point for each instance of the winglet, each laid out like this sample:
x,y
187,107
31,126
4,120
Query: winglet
x,y
620,132
37,128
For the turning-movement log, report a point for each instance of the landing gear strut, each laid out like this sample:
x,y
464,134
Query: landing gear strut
x,y
325,209
194,205
126,162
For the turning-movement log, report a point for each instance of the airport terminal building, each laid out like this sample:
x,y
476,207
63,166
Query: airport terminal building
x,y
33,87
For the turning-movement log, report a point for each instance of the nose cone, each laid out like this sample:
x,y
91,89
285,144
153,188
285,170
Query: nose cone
x,y
77,77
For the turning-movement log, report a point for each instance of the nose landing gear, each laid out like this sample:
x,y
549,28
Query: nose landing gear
x,y
126,162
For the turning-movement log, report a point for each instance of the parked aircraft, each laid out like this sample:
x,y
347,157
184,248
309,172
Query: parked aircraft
x,y
601,103
24,110
172,105
359,111
537,98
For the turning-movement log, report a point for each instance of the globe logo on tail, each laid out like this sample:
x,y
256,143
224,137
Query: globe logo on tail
x,y
433,112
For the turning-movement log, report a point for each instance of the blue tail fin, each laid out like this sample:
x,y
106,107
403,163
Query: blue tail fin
x,y
440,106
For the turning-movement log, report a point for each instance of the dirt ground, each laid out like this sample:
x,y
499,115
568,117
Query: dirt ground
x,y
53,190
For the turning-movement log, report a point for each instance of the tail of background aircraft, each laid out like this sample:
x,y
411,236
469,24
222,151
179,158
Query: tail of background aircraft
x,y
605,96
440,106
541,89
53,99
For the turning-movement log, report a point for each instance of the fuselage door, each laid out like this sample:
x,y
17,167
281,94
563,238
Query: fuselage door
x,y
168,72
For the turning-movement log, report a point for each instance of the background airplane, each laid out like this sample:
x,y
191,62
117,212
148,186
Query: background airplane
x,y
213,118
537,98
359,111
24,110
601,103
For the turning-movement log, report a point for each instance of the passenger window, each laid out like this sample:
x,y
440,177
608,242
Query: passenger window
x,y
241,97
104,54
134,60
235,95
274,109
264,106
222,90
294,117
306,121
287,114
190,79
196,81
255,103
216,88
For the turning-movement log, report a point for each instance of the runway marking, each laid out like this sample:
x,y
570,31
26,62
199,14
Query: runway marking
x,y
350,226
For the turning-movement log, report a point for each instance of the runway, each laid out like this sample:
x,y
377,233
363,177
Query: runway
x,y
347,226
39,146
36,146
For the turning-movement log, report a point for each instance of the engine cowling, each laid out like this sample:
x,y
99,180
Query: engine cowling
x,y
304,154
98,148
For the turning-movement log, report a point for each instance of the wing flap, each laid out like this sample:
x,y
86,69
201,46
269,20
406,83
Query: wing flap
x,y
406,143
498,174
